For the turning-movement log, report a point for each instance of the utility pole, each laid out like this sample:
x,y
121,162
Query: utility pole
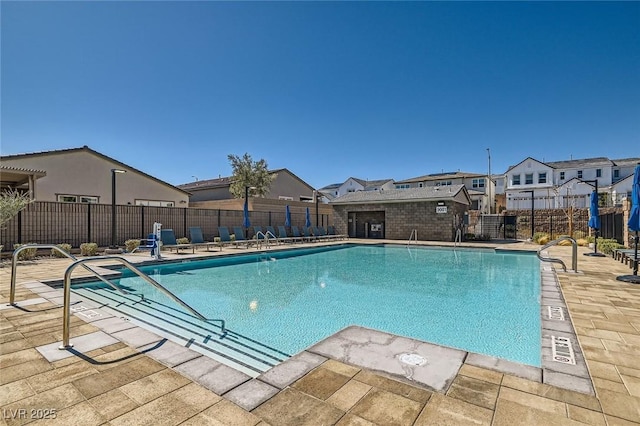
x,y
489,181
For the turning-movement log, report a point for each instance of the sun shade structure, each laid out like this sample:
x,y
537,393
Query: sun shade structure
x,y
307,222
634,225
287,216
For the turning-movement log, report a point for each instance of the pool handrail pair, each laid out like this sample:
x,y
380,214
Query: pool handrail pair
x,y
574,253
66,315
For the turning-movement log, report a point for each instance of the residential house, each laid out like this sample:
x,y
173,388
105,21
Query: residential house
x,y
480,189
555,184
285,186
433,212
354,185
82,175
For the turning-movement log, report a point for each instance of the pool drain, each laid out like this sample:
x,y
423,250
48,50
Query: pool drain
x,y
413,359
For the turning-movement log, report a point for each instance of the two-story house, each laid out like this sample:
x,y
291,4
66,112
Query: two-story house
x,y
480,189
560,184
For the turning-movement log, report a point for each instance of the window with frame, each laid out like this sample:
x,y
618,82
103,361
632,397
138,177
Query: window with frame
x,y
402,186
561,175
542,177
515,179
478,183
528,179
154,203
444,183
616,174
85,199
598,172
579,174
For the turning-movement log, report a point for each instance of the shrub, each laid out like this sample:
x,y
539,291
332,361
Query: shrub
x,y
607,246
564,242
26,254
582,242
216,239
590,239
131,245
538,235
578,235
232,237
469,237
64,247
88,249
183,240
543,240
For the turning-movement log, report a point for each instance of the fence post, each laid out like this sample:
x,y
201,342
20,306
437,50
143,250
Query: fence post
x,y
551,227
184,222
142,233
20,227
218,218
89,222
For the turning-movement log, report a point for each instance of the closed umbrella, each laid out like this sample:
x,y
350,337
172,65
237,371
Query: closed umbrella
x,y
287,216
594,222
307,222
634,225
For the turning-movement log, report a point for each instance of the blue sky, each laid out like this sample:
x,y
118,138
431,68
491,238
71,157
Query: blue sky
x,y
326,89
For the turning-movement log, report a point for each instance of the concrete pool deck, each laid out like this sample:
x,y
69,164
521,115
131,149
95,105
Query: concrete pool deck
x,y
149,381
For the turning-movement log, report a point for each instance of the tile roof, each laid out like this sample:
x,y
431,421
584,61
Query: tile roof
x,y
442,176
391,195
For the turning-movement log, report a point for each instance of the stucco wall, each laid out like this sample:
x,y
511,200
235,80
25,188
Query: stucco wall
x,y
83,173
402,218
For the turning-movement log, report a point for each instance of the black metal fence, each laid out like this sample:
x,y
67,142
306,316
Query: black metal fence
x,y
56,223
612,226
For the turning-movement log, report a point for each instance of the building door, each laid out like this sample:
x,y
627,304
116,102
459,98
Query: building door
x,y
351,224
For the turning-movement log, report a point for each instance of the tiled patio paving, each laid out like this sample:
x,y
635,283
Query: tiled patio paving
x,y
119,385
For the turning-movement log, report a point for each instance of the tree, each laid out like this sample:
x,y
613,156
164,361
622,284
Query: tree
x,y
247,172
11,202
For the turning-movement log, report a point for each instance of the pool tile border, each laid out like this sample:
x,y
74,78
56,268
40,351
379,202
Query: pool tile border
x,y
575,378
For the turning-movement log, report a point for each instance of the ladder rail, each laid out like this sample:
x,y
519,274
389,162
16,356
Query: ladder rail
x,y
14,267
264,238
413,236
66,318
574,253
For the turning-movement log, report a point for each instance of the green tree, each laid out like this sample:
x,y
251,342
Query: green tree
x,y
247,172
11,202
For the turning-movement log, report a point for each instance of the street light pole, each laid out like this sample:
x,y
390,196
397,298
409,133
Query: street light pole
x,y
113,206
532,212
246,208
595,239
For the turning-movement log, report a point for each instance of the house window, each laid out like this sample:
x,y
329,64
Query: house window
x,y
403,186
598,172
283,197
478,183
579,174
616,174
561,175
542,178
515,179
420,185
77,199
528,179
154,203
444,183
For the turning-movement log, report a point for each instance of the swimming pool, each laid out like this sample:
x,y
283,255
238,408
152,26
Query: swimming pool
x,y
476,300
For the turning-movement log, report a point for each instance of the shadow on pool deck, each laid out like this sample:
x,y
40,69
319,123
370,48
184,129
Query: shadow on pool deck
x,y
124,386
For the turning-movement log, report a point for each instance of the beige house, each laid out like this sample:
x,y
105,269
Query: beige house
x,y
82,175
285,186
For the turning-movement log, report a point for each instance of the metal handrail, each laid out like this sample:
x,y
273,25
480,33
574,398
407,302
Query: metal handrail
x,y
66,319
458,238
414,232
574,253
264,238
14,267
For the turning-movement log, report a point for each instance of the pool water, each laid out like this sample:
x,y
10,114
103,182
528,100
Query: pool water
x,y
476,300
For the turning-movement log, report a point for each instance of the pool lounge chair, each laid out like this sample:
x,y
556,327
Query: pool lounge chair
x,y
282,234
308,235
195,232
296,234
239,233
321,234
331,230
168,239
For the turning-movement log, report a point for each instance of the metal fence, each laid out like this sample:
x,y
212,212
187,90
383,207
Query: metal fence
x,y
71,223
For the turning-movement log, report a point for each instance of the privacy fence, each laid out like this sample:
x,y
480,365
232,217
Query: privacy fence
x,y
55,223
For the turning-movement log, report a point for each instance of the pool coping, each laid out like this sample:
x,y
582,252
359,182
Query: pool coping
x,y
566,376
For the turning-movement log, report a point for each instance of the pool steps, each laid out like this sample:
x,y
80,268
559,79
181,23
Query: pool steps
x,y
230,348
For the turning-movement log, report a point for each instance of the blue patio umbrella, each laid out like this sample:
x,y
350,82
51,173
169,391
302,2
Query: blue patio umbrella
x,y
307,222
287,216
246,223
634,225
594,220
